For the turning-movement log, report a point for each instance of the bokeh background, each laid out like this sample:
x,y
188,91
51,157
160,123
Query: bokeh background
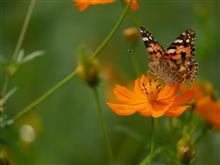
x,y
66,125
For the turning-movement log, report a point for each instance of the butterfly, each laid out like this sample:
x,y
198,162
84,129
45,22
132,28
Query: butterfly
x,y
175,65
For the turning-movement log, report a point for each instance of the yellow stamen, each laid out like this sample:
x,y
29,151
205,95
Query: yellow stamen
x,y
151,88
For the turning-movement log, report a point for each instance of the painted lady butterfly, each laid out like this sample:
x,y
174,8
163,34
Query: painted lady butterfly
x,y
175,65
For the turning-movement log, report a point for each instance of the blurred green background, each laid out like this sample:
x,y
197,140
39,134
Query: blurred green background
x,y
67,126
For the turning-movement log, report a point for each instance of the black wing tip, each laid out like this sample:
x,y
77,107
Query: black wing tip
x,y
142,29
190,31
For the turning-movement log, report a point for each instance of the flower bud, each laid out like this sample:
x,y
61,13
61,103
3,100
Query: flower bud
x,y
88,70
131,34
4,158
12,68
185,150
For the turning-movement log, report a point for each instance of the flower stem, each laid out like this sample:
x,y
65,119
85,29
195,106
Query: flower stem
x,y
5,84
71,75
148,158
24,28
104,129
112,32
152,141
19,42
44,96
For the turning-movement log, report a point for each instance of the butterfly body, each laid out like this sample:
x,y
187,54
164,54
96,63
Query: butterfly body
x,y
175,65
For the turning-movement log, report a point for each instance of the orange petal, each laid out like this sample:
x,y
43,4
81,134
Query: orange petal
x,y
147,111
137,85
134,4
167,92
83,4
125,110
186,97
177,111
123,94
160,109
122,110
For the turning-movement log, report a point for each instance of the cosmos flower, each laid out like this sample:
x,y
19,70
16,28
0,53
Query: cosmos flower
x,y
151,98
83,4
206,106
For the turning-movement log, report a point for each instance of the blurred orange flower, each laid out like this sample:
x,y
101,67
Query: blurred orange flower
x,y
83,4
151,98
206,106
134,4
209,109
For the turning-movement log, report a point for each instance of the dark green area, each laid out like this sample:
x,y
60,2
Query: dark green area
x,y
70,131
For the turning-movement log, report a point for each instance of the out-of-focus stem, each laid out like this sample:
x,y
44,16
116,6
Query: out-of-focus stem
x,y
103,126
112,32
44,96
24,28
148,158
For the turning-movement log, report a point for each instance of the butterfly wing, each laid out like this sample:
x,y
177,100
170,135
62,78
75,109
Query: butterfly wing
x,y
154,49
183,47
181,54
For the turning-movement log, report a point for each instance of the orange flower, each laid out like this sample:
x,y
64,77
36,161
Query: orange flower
x,y
206,106
83,4
134,4
151,98
209,109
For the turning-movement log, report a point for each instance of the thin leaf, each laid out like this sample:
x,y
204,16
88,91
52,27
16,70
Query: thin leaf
x,y
20,56
32,56
8,95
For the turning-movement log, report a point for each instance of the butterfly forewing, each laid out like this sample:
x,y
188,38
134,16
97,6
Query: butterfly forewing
x,y
154,49
182,48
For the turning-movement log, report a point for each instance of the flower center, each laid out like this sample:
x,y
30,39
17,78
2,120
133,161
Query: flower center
x,y
151,88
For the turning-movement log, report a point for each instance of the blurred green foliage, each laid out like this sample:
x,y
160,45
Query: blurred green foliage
x,y
70,131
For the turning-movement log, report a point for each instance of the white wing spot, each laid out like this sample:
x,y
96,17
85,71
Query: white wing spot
x,y
145,39
178,41
171,50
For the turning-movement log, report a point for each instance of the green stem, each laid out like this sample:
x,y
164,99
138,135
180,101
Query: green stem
x,y
205,130
135,20
104,129
24,28
170,130
152,141
44,96
71,75
148,158
19,42
5,84
112,32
